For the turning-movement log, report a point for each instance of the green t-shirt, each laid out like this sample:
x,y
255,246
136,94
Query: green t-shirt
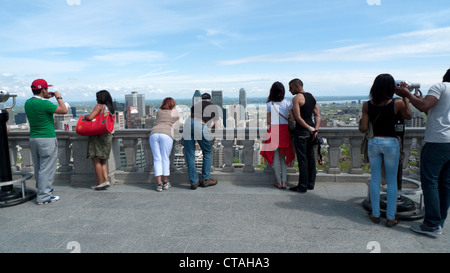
x,y
40,115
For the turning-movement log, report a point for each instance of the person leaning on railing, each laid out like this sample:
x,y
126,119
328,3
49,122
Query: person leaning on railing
x,y
161,141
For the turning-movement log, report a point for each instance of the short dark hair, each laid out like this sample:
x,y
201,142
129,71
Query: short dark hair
x,y
383,88
447,76
296,81
206,96
36,91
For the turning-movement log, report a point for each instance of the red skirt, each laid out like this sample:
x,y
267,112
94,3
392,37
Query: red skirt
x,y
278,137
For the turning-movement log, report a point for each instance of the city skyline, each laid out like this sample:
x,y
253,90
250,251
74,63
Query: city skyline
x,y
161,48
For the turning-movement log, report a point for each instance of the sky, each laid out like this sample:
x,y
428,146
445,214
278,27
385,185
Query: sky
x,y
172,48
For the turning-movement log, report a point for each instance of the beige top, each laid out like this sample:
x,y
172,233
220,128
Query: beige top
x,y
165,120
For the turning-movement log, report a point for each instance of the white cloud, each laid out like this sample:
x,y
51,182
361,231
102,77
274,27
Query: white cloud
x,y
37,66
130,57
217,37
416,44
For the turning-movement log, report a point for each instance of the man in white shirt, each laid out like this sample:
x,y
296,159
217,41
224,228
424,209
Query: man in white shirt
x,y
435,154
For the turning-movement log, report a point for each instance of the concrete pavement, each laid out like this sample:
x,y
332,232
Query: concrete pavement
x,y
231,217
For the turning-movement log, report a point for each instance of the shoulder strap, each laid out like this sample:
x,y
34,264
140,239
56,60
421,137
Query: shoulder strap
x,y
278,111
382,108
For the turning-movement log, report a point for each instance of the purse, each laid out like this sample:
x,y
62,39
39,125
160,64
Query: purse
x,y
291,123
103,123
364,143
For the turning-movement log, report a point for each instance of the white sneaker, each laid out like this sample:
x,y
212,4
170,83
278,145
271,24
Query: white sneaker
x,y
51,200
102,186
166,185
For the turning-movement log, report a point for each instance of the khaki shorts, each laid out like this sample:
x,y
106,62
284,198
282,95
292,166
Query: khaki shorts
x,y
99,146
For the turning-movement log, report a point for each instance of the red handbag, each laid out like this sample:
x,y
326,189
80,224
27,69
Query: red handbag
x,y
103,123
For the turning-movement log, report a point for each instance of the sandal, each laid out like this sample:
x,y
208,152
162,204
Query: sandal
x,y
284,185
278,185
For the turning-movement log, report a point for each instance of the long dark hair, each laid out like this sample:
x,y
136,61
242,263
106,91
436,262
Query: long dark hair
x,y
103,97
383,88
276,92
447,76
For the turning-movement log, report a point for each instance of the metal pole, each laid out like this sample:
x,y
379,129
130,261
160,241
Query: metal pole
x,y
5,162
9,196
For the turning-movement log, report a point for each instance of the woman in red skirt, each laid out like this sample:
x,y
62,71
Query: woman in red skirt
x,y
277,149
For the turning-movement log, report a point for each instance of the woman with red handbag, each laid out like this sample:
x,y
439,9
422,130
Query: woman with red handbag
x,y
99,146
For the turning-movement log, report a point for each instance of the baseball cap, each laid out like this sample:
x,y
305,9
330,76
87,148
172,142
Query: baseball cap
x,y
39,84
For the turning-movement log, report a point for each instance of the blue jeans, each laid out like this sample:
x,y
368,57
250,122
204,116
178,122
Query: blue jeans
x,y
435,180
387,150
193,131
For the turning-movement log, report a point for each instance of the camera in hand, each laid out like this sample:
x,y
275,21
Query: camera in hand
x,y
52,94
318,140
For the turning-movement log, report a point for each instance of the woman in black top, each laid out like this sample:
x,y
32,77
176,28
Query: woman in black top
x,y
384,147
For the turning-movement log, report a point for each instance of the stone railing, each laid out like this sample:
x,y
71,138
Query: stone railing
x,y
74,167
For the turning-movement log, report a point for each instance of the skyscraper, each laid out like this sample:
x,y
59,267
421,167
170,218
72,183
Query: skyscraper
x,y
217,99
243,102
197,97
243,98
136,99
119,106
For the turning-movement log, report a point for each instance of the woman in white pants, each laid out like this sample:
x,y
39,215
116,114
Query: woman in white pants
x,y
161,141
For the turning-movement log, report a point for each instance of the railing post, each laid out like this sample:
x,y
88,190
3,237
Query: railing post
x,y
355,155
248,155
407,143
173,168
26,155
64,153
228,156
148,153
130,154
333,154
291,168
420,144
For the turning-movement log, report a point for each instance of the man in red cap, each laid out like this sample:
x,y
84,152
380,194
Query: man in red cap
x,y
43,142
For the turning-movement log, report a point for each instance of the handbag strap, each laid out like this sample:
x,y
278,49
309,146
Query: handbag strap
x,y
382,108
279,112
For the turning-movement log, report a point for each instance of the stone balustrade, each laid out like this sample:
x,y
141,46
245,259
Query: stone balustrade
x,y
74,167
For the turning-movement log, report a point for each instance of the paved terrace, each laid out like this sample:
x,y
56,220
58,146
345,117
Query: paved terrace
x,y
244,213
231,217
